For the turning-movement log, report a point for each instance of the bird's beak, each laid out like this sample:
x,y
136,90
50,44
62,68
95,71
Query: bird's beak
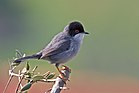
x,y
86,33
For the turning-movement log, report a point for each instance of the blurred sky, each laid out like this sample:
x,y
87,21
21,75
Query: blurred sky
x,y
111,48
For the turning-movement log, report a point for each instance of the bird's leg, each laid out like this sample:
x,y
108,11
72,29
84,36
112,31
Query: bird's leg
x,y
61,74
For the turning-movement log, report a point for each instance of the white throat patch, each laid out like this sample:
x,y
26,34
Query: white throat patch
x,y
79,37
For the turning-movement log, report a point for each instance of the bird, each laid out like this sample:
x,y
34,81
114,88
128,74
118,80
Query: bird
x,y
63,47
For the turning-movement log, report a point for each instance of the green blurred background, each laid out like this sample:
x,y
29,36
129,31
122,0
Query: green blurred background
x,y
109,55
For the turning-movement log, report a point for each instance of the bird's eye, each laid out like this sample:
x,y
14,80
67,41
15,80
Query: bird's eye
x,y
76,31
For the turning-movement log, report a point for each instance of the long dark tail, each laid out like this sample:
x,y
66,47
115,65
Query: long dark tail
x,y
35,56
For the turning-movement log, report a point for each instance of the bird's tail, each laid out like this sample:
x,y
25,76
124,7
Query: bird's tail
x,y
35,56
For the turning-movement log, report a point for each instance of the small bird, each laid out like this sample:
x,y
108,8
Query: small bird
x,y
63,47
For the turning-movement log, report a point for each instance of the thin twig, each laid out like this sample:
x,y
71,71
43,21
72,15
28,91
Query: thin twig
x,y
19,79
14,74
19,84
10,78
7,84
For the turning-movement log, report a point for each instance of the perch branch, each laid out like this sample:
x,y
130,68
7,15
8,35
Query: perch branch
x,y
60,82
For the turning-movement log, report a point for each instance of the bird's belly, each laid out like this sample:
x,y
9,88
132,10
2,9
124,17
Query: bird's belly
x,y
64,56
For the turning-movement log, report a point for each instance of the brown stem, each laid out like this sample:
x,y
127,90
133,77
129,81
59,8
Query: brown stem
x,y
7,84
19,84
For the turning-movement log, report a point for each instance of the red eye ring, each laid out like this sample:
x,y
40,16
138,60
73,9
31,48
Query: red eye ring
x,y
77,31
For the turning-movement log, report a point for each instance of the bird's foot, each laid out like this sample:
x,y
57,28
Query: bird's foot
x,y
66,68
62,74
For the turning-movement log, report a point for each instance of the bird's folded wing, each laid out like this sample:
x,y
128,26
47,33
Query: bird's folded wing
x,y
56,48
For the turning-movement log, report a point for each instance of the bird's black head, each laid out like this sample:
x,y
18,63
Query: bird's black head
x,y
76,28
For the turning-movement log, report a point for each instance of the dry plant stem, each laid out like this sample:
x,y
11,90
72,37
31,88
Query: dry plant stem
x,y
19,79
48,81
16,91
7,84
10,78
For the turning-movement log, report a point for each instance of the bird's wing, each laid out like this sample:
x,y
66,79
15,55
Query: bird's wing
x,y
56,48
60,43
